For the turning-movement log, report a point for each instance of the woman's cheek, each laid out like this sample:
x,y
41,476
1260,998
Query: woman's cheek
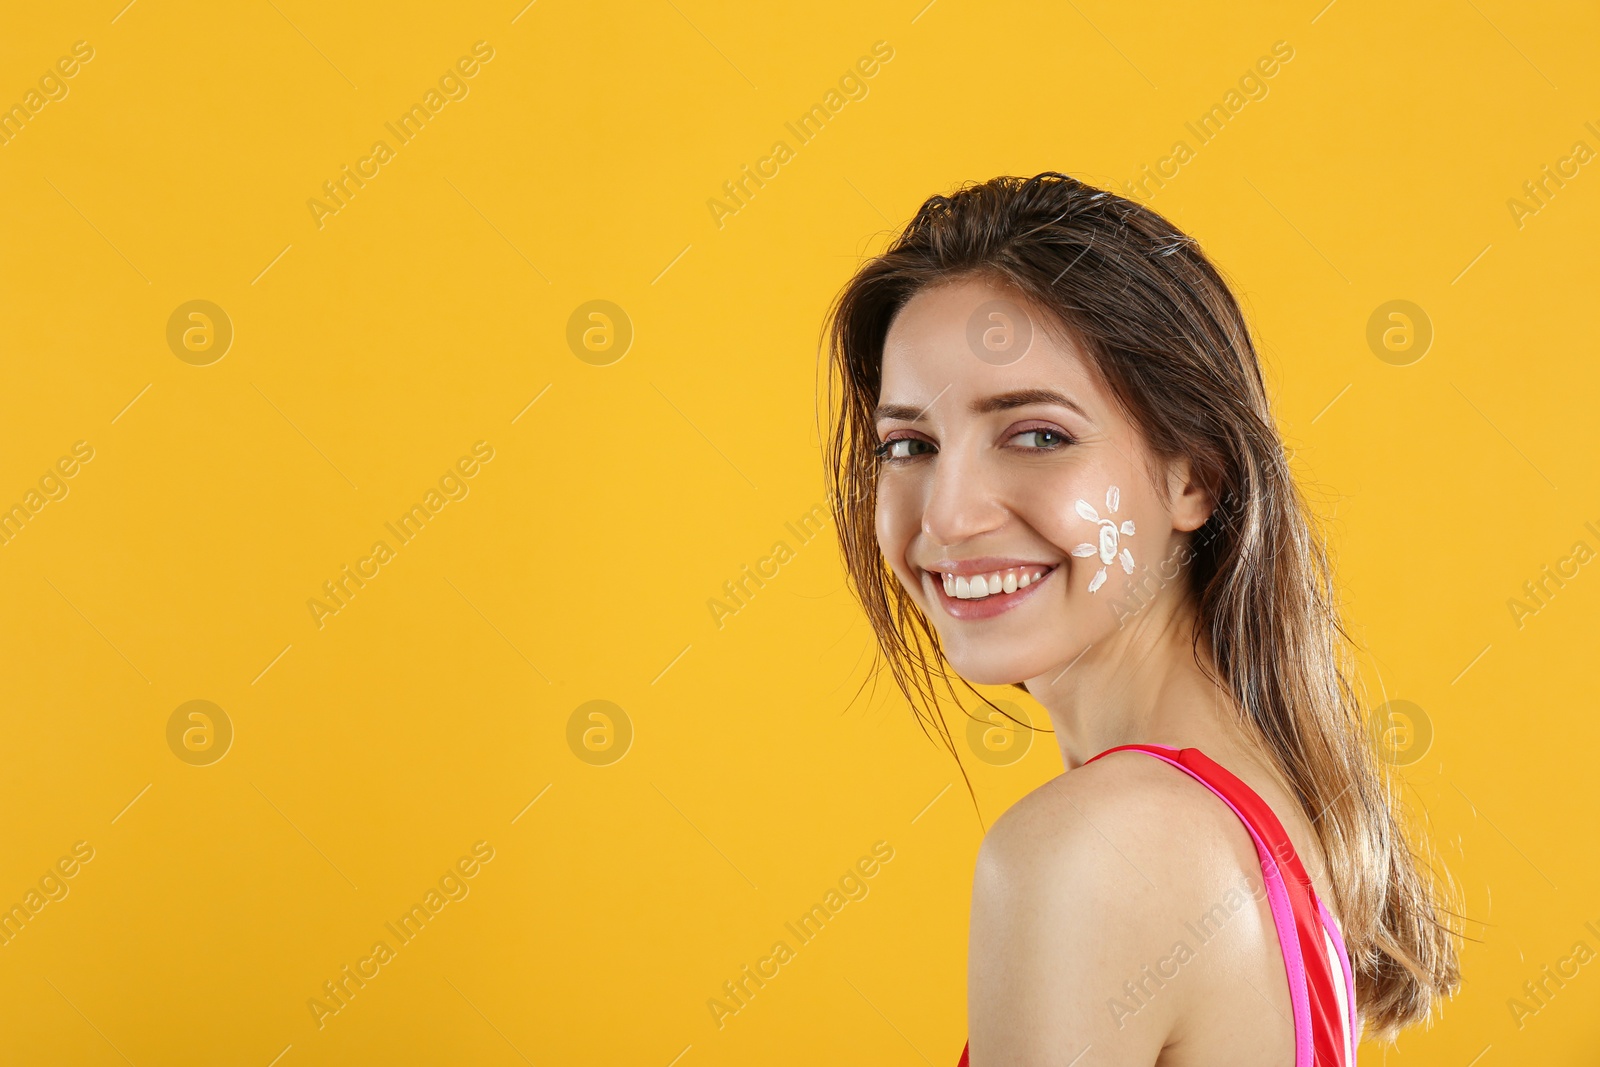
x,y
890,544
889,520
1057,518
883,519
897,520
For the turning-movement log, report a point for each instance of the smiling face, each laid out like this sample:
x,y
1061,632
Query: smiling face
x,y
1017,504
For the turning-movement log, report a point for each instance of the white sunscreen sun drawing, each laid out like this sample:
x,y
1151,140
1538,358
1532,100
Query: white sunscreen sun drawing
x,y
1109,534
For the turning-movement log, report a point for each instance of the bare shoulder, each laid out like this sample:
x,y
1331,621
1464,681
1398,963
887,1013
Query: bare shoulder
x,y
1126,805
1120,785
1081,888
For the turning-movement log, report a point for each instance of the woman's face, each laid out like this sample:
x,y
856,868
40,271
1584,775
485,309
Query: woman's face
x,y
1014,498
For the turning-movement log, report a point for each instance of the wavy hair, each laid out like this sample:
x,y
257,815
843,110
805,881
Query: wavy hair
x,y
1165,333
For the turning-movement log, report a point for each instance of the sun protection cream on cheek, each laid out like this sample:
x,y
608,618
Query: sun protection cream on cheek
x,y
1110,537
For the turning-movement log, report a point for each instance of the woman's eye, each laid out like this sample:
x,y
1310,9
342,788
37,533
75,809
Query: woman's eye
x,y
1041,438
901,448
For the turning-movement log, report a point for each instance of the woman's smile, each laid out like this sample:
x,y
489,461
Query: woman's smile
x,y
980,590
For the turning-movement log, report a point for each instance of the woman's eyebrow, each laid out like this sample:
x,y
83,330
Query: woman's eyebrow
x,y
984,405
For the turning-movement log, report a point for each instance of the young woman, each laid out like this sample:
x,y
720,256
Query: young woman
x,y
1053,465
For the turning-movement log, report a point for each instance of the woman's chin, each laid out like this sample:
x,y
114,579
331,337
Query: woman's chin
x,y
993,669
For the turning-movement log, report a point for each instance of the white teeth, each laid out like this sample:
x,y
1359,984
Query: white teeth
x,y
980,586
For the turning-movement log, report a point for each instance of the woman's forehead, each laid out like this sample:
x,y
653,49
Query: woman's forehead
x,y
974,337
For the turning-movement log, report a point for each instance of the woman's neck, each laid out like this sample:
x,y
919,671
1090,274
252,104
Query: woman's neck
x,y
1139,685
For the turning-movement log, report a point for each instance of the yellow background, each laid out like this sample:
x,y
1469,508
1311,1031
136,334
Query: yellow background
x,y
427,314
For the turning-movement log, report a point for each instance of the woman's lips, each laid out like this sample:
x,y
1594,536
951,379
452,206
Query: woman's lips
x,y
989,606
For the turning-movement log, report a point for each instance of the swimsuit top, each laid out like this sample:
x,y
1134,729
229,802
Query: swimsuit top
x,y
1321,984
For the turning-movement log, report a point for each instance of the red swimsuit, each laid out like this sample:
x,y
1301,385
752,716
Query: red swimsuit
x,y
1321,986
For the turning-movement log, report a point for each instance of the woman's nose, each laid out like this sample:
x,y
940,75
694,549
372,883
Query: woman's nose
x,y
961,503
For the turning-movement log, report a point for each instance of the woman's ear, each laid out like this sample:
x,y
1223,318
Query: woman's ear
x,y
1191,505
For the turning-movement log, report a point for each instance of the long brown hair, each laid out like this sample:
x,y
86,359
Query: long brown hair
x,y
1163,330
